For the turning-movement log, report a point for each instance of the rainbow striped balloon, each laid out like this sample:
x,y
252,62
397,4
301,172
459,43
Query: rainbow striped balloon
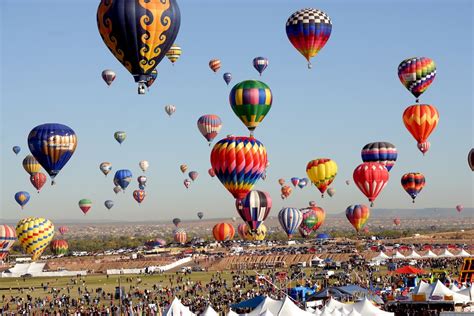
x,y
59,247
358,215
417,74
413,183
209,125
7,239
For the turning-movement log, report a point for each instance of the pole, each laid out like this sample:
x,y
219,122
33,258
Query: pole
x,y
120,295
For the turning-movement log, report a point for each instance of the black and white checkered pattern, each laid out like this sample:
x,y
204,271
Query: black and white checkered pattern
x,y
308,16
420,81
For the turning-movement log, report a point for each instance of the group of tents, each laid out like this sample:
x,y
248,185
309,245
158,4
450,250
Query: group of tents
x,y
414,255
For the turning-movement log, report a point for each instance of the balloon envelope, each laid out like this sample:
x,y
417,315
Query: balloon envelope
x,y
108,76
290,220
16,149
254,208
321,172
384,153
22,198
357,215
7,239
123,178
417,74
34,235
109,204
223,232
413,183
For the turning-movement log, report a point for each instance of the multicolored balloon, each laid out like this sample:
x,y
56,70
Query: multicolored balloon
x,y
413,183
313,218
290,219
52,145
421,120
417,74
123,178
193,175
63,229
424,147
295,181
251,100
281,181
108,76
308,31
155,243
34,235
227,77
16,149
187,183
215,64
105,167
59,247
31,165
302,183
85,205
151,78
174,53
109,204
7,239
209,125
381,152
331,192
286,191
22,198
144,165
223,232
470,159
238,163
358,216
170,109
254,208
247,234
142,181
200,215
371,178
183,168
321,172
120,136
138,33
459,208
180,236
139,195
38,180
260,64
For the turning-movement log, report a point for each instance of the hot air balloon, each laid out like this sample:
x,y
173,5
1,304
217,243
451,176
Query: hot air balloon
x,y
421,120
215,64
308,30
459,208
424,147
312,203
321,172
34,235
295,181
371,178
223,232
138,33
7,239
108,76
144,165
382,152
313,218
247,234
183,168
22,198
396,221
120,136
193,175
123,178
238,163
38,180
117,189
348,182
417,74
234,218
174,53
227,77
170,109
254,208
105,167
251,100
331,192
155,243
139,195
180,236
209,125
142,181
358,215
211,172
59,247
470,159
302,183
260,64
85,205
286,191
290,219
16,149
413,183
176,221
31,165
281,181
200,215
63,230
109,204
151,78
52,145
187,183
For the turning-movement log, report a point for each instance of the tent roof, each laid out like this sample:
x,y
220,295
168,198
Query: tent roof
x,y
446,253
177,308
209,311
463,253
429,254
413,255
439,289
398,255
366,308
380,256
251,303
409,270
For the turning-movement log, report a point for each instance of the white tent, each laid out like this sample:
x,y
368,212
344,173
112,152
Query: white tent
x,y
366,308
446,253
463,253
278,308
430,254
413,255
354,313
469,292
439,289
177,308
398,255
232,313
422,287
266,313
209,311
380,257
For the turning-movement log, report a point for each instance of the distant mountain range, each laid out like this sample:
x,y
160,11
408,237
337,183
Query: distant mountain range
x,y
375,213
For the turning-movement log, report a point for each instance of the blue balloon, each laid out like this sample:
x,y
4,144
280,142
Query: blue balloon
x,y
16,149
227,77
52,145
290,219
123,178
22,198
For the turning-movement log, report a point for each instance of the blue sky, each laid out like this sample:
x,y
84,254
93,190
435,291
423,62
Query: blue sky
x,y
52,57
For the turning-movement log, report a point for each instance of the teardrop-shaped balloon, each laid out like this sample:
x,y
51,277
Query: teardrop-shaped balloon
x,y
38,180
227,77
31,165
358,215
211,172
295,181
421,120
215,65
139,195
142,181
120,136
105,167
417,74
16,149
63,230
413,183
260,64
254,208
193,175
200,215
117,189
209,125
22,198
170,109
371,178
174,53
108,76
331,192
176,221
290,219
321,172
144,165
85,205
187,183
109,204
183,168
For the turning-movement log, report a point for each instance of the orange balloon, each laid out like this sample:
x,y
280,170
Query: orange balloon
x,y
223,231
421,120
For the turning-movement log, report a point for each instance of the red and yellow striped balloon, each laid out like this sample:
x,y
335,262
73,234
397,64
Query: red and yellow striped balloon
x,y
59,247
321,172
215,64
223,232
